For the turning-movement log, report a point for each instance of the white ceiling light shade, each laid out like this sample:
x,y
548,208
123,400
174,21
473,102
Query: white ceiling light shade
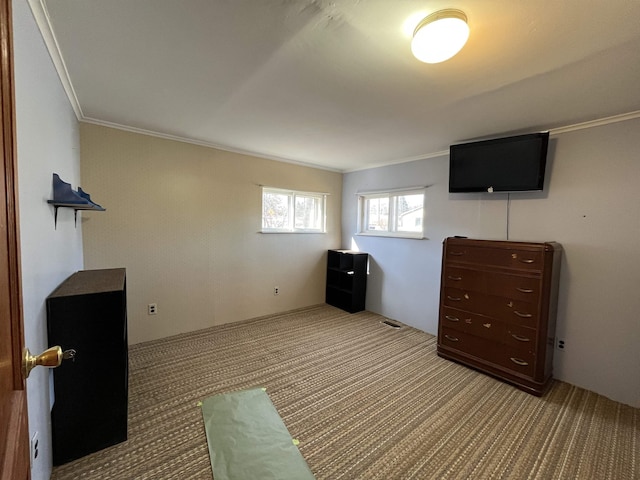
x,y
439,36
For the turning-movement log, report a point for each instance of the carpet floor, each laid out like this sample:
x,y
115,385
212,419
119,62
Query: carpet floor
x,y
366,401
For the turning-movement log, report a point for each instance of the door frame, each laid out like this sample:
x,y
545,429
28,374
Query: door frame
x,y
14,443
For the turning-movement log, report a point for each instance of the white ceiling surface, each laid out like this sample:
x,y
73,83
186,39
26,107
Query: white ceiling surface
x,y
333,83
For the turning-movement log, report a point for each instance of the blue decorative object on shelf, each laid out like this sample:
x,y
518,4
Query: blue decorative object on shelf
x,y
65,196
87,197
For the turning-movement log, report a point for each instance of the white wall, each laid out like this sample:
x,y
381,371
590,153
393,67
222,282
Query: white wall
x,y
590,205
184,221
47,142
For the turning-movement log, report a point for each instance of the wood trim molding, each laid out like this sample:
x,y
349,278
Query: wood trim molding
x,y
14,465
15,455
7,111
41,16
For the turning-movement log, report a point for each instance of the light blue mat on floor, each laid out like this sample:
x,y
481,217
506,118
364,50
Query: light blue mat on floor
x,y
248,439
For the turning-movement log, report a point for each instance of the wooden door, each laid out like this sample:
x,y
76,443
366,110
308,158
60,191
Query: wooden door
x,y
14,432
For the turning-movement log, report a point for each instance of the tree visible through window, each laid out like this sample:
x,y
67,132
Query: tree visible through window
x,y
275,210
292,211
396,214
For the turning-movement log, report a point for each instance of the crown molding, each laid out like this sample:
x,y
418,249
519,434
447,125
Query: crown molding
x,y
202,143
623,117
415,158
41,16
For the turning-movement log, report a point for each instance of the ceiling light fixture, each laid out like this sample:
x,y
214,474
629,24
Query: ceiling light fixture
x,y
439,36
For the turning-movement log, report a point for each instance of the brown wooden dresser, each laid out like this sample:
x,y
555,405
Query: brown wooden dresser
x,y
498,303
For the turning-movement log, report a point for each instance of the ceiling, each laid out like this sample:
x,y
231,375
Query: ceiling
x,y
332,83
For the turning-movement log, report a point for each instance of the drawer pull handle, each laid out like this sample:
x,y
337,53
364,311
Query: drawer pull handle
x,y
527,260
452,319
449,337
520,338
517,361
455,299
457,254
455,279
522,315
525,290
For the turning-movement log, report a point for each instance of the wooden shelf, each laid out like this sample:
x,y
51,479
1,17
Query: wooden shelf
x,y
75,206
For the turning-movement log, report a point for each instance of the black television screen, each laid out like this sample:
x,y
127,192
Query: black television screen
x,y
511,164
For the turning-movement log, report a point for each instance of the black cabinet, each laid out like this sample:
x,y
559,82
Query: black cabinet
x,y
347,279
88,313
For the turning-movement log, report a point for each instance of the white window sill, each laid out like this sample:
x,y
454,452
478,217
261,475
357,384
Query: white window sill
x,y
418,236
292,231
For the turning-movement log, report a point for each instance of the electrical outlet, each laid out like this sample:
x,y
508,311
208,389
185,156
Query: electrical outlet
x,y
276,290
34,447
561,344
153,309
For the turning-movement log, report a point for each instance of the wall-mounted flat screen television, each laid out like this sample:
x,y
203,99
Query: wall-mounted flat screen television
x,y
510,164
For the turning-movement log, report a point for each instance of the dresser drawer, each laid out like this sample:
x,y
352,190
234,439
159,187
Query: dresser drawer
x,y
471,344
464,278
512,312
516,287
517,360
532,259
521,338
512,359
478,325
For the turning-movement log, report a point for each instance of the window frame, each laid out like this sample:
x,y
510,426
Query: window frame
x,y
392,228
321,197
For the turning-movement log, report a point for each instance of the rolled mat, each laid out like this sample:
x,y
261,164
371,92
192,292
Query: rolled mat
x,y
248,439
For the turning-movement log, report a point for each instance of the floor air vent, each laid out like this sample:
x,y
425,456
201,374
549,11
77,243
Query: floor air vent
x,y
391,324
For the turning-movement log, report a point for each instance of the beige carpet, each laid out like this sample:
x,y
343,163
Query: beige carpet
x,y
366,401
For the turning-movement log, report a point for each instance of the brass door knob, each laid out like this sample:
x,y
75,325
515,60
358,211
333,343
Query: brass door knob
x,y
51,358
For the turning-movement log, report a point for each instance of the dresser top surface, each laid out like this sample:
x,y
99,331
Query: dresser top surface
x,y
348,252
86,282
506,244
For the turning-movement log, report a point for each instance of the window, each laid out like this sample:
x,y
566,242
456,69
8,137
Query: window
x,y
292,211
392,214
